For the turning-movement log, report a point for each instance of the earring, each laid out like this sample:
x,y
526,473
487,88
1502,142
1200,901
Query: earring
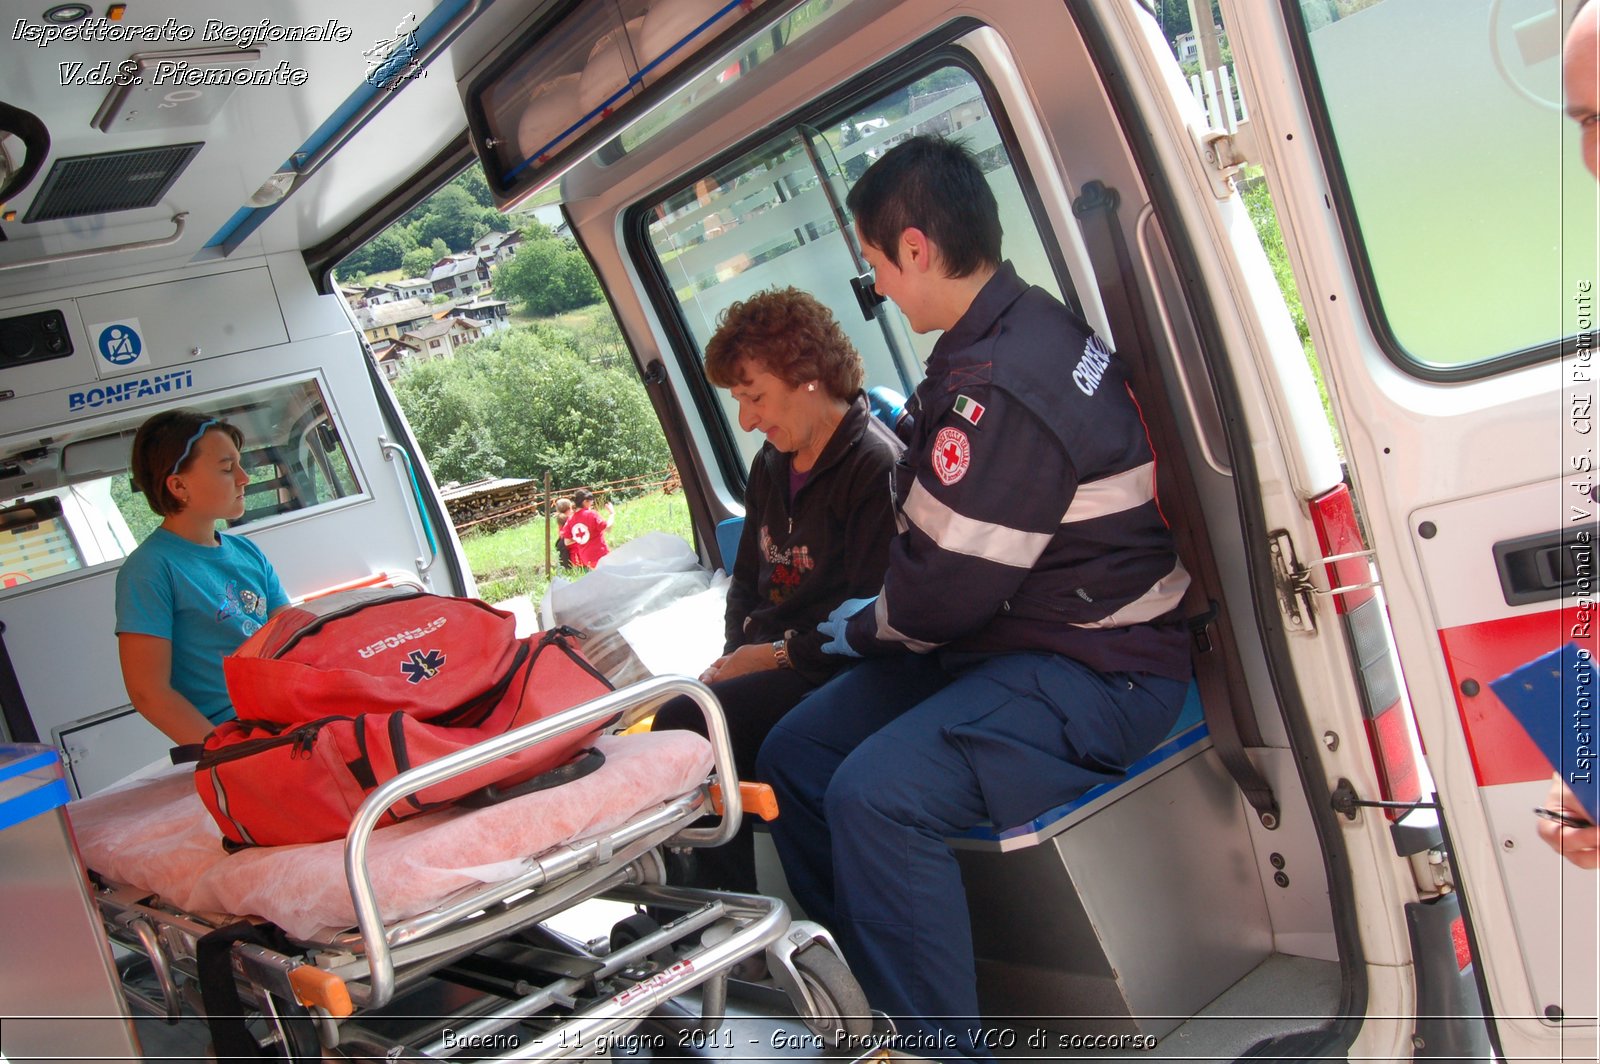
x,y
811,387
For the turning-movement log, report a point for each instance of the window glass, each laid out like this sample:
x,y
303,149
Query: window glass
x,y
773,218
1474,211
70,503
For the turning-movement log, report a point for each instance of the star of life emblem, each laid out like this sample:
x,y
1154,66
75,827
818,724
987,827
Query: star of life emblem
x,y
422,665
952,454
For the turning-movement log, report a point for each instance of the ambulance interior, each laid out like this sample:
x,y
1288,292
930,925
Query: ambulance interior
x,y
702,151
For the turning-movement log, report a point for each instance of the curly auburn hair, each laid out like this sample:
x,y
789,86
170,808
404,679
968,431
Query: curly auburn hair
x,y
164,441
790,335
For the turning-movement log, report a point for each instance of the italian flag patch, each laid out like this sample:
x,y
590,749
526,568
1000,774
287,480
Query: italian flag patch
x,y
970,409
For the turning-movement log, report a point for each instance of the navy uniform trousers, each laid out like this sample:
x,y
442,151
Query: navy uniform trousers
x,y
877,767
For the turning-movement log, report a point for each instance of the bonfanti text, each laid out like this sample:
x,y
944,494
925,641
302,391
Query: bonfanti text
x,y
135,388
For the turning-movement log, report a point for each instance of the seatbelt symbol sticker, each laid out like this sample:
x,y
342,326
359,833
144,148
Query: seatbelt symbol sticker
x,y
422,665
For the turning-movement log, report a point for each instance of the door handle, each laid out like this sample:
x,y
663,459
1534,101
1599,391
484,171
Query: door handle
x,y
1547,566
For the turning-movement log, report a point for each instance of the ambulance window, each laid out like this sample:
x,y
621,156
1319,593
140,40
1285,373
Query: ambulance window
x,y
773,218
1470,212
68,503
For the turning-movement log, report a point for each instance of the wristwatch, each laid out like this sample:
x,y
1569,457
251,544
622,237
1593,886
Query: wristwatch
x,y
780,651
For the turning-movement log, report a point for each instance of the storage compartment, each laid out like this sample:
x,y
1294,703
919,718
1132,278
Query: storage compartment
x,y
1131,920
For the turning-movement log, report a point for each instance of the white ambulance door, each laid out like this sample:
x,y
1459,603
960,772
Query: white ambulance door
x,y
1443,232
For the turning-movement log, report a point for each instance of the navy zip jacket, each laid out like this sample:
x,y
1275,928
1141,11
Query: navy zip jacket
x,y
1026,500
797,562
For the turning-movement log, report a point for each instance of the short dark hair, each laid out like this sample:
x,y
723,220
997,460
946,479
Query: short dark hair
x,y
934,185
789,334
164,445
582,496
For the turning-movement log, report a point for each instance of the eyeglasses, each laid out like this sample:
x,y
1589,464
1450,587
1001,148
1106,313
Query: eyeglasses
x,y
201,431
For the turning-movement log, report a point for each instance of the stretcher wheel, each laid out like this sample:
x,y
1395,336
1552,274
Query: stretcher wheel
x,y
842,1009
632,928
295,1031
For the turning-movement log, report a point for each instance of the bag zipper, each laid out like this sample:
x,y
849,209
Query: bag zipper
x,y
302,737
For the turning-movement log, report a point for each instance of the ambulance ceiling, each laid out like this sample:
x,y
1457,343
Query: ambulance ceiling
x,y
303,94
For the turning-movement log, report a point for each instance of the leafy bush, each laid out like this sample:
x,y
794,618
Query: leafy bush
x,y
525,401
547,276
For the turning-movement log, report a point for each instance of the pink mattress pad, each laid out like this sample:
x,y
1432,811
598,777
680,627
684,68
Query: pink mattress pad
x,y
156,835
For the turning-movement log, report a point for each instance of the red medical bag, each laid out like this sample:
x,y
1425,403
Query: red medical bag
x,y
340,694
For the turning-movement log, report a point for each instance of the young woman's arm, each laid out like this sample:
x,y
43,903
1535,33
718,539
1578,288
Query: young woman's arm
x,y
147,674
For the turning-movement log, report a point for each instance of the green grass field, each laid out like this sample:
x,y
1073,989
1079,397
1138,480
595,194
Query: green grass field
x,y
510,562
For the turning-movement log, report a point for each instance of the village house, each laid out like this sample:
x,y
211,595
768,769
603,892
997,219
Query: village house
x,y
412,288
496,248
490,315
389,321
459,275
439,339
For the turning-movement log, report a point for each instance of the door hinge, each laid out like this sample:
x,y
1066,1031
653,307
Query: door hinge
x,y
1293,582
1225,153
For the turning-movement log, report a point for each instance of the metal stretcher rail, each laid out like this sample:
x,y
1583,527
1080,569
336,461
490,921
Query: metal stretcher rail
x,y
380,964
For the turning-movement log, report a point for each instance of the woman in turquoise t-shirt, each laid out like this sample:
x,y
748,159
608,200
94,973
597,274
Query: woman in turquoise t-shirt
x,y
189,595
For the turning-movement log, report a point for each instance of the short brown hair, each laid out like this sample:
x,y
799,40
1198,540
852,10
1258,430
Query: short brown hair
x,y
163,446
790,335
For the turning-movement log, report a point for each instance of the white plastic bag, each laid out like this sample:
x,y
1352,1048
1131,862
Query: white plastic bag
x,y
639,577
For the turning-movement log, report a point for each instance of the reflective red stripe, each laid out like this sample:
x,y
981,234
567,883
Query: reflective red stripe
x,y
1458,935
1338,532
1389,725
1397,768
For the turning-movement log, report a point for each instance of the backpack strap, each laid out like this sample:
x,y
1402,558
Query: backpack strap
x,y
1224,694
585,762
186,753
219,993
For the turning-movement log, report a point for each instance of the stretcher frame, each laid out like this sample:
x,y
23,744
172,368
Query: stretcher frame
x,y
338,979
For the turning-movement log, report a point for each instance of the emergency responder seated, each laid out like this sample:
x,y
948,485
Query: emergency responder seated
x,y
1026,644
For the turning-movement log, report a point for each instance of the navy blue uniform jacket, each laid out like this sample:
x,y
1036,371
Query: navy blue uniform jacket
x,y
1026,501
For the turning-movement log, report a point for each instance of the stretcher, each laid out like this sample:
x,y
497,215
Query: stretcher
x,y
428,940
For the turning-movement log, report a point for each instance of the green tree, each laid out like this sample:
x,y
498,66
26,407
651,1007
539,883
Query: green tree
x,y
472,182
417,262
547,277
383,252
525,401
450,216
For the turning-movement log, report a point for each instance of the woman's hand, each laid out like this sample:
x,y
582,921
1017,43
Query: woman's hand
x,y
755,657
1581,846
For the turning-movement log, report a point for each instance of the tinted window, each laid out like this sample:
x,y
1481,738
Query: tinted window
x,y
1474,216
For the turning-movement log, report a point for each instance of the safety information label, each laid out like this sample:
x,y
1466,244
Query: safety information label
x,y
120,345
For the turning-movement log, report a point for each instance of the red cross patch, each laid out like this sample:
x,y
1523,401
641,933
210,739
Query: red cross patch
x,y
952,454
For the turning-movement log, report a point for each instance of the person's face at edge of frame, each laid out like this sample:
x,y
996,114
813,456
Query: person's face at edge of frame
x,y
1580,70
897,283
785,414
214,482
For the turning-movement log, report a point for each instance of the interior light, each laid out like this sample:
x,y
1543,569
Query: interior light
x,y
273,189
62,14
115,12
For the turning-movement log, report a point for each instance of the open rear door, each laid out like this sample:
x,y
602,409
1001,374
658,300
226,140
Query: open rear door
x,y
1443,229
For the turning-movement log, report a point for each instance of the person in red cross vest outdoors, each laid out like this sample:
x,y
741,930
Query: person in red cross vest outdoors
x,y
585,531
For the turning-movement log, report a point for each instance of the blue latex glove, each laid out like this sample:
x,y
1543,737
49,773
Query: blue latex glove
x,y
834,626
887,405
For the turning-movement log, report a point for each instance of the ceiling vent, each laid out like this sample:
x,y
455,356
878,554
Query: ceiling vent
x,y
112,181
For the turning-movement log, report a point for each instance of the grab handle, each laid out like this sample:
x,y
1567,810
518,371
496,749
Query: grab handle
x,y
390,450
1142,227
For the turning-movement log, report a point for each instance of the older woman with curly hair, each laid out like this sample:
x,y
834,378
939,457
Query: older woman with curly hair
x,y
817,525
